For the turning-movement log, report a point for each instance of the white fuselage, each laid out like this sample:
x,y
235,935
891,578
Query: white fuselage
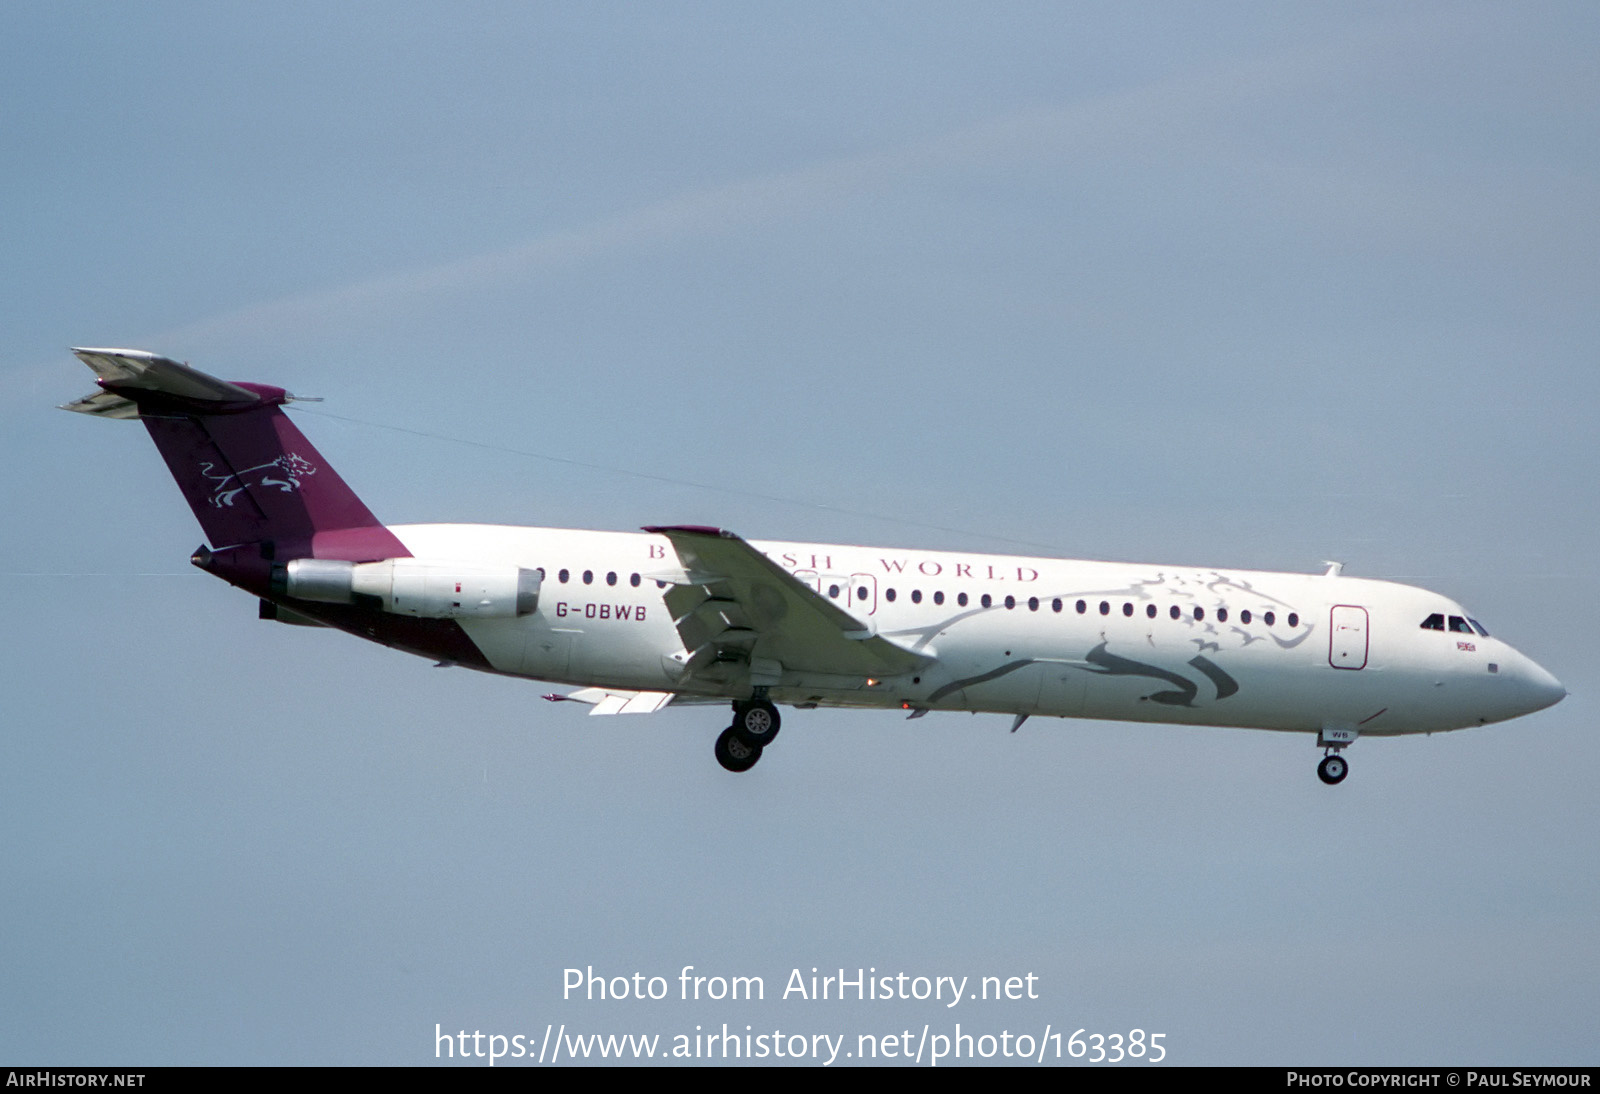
x,y
1020,635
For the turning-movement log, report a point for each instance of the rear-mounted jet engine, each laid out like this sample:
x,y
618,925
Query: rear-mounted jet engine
x,y
408,586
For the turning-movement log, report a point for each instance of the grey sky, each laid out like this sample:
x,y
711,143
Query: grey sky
x,y
1228,284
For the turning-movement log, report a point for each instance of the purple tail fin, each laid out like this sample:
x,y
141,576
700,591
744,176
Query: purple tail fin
x,y
247,471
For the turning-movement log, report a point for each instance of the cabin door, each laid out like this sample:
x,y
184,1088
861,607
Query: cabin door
x,y
1347,637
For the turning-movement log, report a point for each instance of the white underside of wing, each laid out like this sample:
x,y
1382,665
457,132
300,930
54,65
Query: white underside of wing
x,y
604,701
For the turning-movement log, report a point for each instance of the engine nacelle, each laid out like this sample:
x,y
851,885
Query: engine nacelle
x,y
410,586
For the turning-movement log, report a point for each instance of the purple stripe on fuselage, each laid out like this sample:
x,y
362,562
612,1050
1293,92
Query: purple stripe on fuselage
x,y
358,544
440,639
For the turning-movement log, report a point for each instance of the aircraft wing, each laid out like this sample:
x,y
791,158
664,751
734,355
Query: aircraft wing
x,y
732,603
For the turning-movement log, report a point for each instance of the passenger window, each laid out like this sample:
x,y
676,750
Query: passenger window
x,y
1011,602
1033,603
1269,619
1222,615
1199,614
1244,616
1055,605
588,577
1127,609
562,576
889,595
611,578
916,596
1082,607
633,579
1105,608
938,597
961,599
1434,622
1175,612
1150,611
987,600
1294,620
833,591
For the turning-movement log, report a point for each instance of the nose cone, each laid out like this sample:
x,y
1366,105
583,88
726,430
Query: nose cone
x,y
1538,688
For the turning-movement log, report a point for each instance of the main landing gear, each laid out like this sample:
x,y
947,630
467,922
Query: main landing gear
x,y
1331,770
755,724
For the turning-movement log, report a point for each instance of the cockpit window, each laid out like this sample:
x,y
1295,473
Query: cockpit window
x,y
1478,627
1434,622
1459,625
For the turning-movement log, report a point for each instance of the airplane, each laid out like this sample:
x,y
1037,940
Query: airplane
x,y
686,614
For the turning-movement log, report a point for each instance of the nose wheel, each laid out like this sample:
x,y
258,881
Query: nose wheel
x,y
1333,769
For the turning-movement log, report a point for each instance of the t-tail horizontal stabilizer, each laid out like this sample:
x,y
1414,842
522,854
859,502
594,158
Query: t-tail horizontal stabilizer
x,y
130,378
247,471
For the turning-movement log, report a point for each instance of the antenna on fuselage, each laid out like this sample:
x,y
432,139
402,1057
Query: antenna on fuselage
x,y
1334,568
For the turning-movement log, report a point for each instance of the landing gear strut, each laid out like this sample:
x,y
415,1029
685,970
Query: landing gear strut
x,y
755,724
1333,768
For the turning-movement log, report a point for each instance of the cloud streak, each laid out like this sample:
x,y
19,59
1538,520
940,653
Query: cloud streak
x,y
1142,118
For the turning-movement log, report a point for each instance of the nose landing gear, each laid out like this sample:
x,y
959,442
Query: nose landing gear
x,y
1333,737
